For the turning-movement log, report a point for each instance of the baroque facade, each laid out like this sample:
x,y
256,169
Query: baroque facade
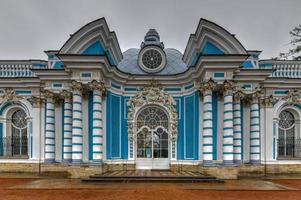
x,y
151,107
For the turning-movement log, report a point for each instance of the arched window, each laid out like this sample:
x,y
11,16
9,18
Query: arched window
x,y
152,139
15,143
286,135
152,117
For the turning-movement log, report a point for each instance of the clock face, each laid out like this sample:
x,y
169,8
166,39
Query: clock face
x,y
152,59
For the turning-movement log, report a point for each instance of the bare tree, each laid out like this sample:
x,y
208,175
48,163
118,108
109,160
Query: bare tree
x,y
295,51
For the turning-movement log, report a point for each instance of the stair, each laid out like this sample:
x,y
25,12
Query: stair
x,y
151,176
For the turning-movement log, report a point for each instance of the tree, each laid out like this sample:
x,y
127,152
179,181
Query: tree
x,y
295,51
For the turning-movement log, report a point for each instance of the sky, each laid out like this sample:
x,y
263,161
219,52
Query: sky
x,y
29,27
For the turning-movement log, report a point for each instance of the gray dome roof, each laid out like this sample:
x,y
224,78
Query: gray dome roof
x,y
174,65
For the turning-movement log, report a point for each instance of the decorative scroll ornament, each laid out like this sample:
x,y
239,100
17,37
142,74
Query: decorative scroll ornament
x,y
207,85
152,95
293,97
10,95
96,85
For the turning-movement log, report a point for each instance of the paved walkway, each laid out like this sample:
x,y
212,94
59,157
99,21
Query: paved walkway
x,y
33,187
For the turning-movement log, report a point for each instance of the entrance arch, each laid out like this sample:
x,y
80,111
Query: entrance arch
x,y
152,144
153,124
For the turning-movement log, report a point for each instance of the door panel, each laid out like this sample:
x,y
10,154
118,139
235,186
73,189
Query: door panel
x,y
152,149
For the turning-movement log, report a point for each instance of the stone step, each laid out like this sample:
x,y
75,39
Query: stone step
x,y
152,179
124,176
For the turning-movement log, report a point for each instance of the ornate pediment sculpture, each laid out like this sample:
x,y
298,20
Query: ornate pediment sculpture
x,y
293,97
152,95
10,95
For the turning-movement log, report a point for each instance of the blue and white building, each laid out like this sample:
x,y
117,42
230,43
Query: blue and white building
x,y
153,107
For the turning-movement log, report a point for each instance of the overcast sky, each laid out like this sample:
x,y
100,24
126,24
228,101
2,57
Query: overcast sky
x,y
28,27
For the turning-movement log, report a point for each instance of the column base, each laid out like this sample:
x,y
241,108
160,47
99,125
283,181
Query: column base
x,y
229,163
238,162
76,162
49,161
208,163
66,161
255,162
96,162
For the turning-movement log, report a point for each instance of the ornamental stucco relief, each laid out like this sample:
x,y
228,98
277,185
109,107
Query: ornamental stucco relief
x,y
293,97
10,95
152,95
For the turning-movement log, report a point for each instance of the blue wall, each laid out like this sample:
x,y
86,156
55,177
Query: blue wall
x,y
215,123
90,124
188,127
117,138
210,48
97,48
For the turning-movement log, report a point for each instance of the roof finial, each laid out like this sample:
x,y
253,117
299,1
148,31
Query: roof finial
x,y
152,37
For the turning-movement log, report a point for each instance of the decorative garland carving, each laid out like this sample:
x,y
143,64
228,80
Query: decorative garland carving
x,y
293,96
10,95
152,95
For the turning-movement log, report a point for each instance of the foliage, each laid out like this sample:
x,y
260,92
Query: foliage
x,y
295,51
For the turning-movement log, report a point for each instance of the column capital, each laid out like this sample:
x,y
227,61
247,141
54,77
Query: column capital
x,y
207,85
229,85
98,85
49,95
238,95
66,95
256,95
76,86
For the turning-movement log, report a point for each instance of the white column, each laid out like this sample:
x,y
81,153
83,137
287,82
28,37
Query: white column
x,y
228,128
207,135
67,133
237,131
77,124
49,128
254,132
97,131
